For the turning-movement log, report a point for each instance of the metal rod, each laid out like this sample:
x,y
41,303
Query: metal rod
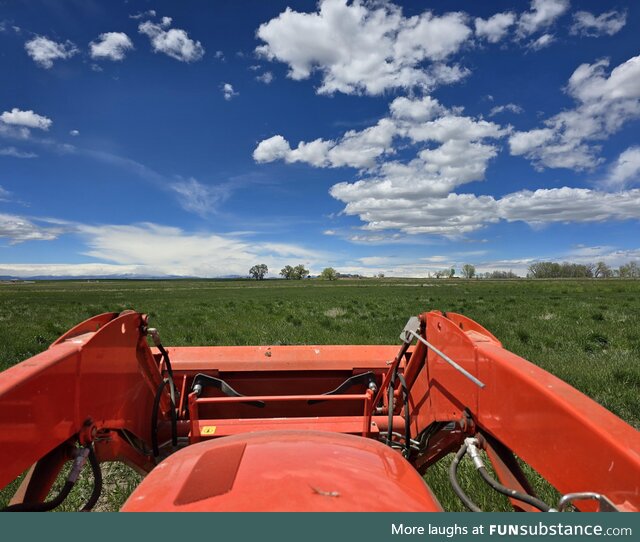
x,y
274,398
448,359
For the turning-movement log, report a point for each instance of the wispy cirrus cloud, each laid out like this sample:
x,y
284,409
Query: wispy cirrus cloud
x,y
511,108
605,24
143,14
16,153
198,198
18,229
625,171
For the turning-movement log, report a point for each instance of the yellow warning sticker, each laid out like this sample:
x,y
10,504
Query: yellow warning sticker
x,y
208,430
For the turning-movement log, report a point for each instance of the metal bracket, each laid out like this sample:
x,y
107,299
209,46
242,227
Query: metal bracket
x,y
605,505
367,378
205,381
411,330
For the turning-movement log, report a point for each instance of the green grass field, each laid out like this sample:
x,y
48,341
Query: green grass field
x,y
583,331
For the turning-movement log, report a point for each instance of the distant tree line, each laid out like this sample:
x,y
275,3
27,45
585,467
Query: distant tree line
x,y
468,271
537,270
445,273
629,270
294,273
498,275
554,270
298,272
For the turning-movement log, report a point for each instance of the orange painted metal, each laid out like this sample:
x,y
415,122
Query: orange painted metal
x,y
340,424
281,359
285,471
107,375
98,381
509,472
573,442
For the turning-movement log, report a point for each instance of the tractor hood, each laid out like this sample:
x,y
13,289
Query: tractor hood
x,y
284,471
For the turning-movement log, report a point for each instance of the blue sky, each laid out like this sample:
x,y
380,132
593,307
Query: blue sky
x,y
199,138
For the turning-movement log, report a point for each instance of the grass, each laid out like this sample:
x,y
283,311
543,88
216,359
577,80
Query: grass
x,y
583,331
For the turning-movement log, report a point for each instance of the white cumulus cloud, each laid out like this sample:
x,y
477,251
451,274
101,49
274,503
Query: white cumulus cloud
x,y
605,102
44,51
228,92
358,149
366,48
410,118
422,212
173,42
28,119
111,46
541,15
495,27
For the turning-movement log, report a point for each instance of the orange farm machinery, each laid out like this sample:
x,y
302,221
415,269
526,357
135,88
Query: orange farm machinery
x,y
305,428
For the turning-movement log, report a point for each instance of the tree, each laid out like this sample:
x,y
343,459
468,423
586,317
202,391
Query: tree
x,y
629,270
545,270
468,271
287,272
380,275
259,271
329,273
300,272
501,275
452,273
603,271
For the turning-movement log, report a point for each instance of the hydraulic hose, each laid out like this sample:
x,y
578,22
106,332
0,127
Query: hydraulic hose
x,y
407,416
392,383
80,458
42,506
453,478
154,419
529,499
155,336
471,446
97,482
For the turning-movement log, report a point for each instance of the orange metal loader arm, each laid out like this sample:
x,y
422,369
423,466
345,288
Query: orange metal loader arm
x,y
573,442
98,378
100,384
